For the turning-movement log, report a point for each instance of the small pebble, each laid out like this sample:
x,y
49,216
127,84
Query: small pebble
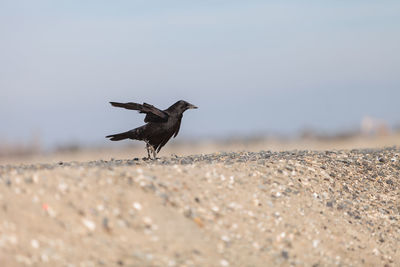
x,y
34,243
137,206
89,224
224,262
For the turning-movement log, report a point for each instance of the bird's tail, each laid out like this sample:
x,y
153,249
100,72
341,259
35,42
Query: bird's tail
x,y
120,136
132,134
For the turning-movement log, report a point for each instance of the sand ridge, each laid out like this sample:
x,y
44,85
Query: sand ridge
x,y
300,208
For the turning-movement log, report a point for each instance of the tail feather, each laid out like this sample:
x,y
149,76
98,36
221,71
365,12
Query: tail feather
x,y
132,134
118,137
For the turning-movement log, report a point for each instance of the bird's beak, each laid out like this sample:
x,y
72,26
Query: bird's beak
x,y
192,106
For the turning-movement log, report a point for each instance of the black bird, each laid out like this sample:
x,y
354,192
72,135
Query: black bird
x,y
160,127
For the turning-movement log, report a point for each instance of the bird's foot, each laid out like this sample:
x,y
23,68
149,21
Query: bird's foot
x,y
149,158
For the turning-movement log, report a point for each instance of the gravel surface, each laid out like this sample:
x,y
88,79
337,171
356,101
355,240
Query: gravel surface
x,y
300,208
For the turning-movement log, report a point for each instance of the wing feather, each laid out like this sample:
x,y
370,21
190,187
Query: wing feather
x,y
178,126
153,114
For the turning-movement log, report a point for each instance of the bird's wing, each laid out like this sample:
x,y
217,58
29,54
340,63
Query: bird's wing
x,y
177,127
153,114
169,134
163,142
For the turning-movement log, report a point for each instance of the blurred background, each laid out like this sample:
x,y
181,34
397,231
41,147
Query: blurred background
x,y
262,72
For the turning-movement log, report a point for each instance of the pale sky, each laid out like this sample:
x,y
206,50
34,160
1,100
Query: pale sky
x,y
251,66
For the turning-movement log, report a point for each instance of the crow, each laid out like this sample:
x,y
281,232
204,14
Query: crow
x,y
160,125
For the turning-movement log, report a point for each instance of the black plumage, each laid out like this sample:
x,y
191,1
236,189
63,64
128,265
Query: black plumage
x,y
160,125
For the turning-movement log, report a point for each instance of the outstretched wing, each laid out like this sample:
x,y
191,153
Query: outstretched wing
x,y
153,114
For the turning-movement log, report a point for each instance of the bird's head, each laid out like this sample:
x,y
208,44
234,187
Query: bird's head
x,y
182,106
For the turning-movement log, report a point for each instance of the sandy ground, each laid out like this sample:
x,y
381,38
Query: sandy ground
x,y
261,208
125,150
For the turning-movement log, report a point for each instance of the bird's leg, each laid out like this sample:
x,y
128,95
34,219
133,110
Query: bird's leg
x,y
151,149
154,153
148,147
